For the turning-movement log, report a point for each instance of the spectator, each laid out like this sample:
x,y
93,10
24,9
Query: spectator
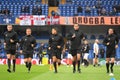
x,y
76,14
103,12
79,9
40,53
96,53
102,52
39,11
113,13
25,9
6,12
1,12
117,7
98,4
34,11
99,11
88,9
52,13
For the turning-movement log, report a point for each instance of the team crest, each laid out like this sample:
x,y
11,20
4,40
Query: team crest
x,y
6,35
52,38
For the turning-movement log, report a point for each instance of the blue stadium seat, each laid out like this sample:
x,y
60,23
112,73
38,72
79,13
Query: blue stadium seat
x,y
101,37
92,37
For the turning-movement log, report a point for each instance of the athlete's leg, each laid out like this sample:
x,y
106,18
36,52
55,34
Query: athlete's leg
x,y
9,62
54,63
29,63
14,62
112,64
107,64
78,61
74,63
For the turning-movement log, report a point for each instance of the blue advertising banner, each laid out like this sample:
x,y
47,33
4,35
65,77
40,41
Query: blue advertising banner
x,y
7,20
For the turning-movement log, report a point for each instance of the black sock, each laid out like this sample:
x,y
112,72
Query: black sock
x,y
29,66
78,64
59,63
107,67
14,61
26,64
9,63
85,62
55,66
74,65
112,64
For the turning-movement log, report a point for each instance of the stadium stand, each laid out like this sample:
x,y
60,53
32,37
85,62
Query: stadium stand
x,y
15,6
68,9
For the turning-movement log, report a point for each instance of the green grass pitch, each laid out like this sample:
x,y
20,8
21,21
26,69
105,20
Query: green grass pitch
x,y
64,73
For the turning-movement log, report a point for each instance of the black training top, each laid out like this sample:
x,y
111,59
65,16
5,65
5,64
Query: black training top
x,y
112,40
56,40
26,43
76,41
10,35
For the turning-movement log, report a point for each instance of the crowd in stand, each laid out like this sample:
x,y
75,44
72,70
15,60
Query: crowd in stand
x,y
101,10
5,12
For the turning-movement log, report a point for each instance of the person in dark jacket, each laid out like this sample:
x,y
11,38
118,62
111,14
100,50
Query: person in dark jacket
x,y
85,51
111,42
27,44
40,53
10,40
75,36
56,44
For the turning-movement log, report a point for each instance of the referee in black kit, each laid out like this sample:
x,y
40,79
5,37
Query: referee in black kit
x,y
10,40
56,44
111,42
27,44
75,36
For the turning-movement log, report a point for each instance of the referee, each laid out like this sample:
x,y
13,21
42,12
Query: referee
x,y
111,42
10,40
27,45
56,44
75,36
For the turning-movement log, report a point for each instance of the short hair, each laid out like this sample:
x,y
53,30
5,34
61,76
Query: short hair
x,y
114,32
55,28
96,40
76,24
28,28
9,25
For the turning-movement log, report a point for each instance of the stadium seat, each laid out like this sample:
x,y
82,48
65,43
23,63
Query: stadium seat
x,y
92,37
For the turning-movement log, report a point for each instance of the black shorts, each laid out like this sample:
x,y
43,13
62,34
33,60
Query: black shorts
x,y
50,56
28,54
110,53
75,52
95,56
12,52
56,53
